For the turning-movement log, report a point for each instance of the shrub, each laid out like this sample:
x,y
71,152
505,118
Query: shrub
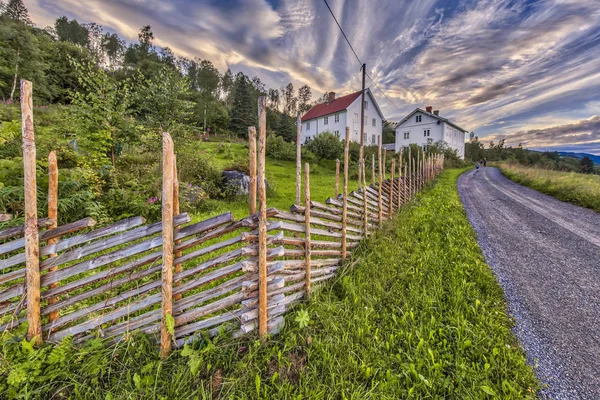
x,y
279,149
326,145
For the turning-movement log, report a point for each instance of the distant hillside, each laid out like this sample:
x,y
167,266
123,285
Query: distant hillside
x,y
595,159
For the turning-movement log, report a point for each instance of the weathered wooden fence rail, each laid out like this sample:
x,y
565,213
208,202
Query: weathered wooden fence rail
x,y
179,278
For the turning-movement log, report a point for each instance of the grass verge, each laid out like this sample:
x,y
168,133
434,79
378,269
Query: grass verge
x,y
580,189
419,314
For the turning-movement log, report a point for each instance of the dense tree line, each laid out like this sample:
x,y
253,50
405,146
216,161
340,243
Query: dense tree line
x,y
476,150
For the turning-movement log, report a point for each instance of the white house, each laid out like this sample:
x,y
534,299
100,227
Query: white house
x,y
424,127
337,114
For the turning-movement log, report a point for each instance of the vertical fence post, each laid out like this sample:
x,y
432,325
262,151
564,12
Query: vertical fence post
x,y
410,177
53,214
391,204
262,219
337,177
418,170
384,164
176,212
307,243
298,157
345,198
252,166
32,260
167,244
364,189
372,168
379,194
400,180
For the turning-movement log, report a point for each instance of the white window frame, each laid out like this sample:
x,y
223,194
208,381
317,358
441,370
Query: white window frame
x,y
418,118
373,138
366,105
325,120
366,136
356,118
336,118
308,126
426,132
374,123
406,135
336,133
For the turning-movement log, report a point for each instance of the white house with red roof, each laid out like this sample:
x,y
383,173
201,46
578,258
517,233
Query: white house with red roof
x,y
339,113
425,127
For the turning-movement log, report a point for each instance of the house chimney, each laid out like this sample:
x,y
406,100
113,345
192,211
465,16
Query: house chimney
x,y
331,97
428,108
436,112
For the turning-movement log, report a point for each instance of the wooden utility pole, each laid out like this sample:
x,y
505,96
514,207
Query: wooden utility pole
x,y
252,166
362,121
307,243
167,245
53,215
262,220
345,199
32,260
299,157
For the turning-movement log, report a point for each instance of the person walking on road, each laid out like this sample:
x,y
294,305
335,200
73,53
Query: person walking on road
x,y
484,162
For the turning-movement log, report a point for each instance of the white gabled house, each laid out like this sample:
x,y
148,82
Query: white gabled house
x,y
424,127
337,114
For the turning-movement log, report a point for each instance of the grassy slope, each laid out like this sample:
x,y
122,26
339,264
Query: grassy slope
x,y
419,315
576,188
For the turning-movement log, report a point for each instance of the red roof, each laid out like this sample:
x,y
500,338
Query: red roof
x,y
337,105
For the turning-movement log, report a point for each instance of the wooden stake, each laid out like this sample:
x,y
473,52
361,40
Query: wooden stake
x,y
252,166
176,212
410,176
167,245
345,199
299,157
365,210
384,164
262,220
307,244
32,275
373,168
380,183
53,215
337,177
391,203
400,180
405,186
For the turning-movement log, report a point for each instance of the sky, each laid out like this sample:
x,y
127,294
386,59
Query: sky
x,y
526,71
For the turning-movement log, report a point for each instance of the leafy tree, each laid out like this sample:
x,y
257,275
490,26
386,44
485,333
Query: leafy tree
x,y
273,96
227,86
16,10
71,31
289,99
304,95
259,87
587,165
388,132
242,111
326,145
114,48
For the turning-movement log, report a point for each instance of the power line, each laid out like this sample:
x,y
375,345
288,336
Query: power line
x,y
358,58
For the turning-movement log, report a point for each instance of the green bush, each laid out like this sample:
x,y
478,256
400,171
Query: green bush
x,y
326,145
279,149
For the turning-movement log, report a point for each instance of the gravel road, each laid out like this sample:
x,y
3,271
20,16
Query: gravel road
x,y
546,255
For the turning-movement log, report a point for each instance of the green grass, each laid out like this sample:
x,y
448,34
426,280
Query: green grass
x,y
418,315
580,189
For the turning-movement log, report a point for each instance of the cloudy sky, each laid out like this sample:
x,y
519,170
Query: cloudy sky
x,y
525,70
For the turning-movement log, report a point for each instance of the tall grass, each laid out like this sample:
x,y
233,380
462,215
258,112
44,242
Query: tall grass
x,y
576,188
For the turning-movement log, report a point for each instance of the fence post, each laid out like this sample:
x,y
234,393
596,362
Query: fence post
x,y
32,260
418,170
380,183
299,157
53,214
307,243
405,185
400,180
372,168
364,189
176,212
410,176
167,245
337,177
384,164
391,206
345,199
262,220
252,165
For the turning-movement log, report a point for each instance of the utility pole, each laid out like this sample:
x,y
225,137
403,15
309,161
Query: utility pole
x,y
362,123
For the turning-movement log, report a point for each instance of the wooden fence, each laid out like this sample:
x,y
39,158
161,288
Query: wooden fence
x,y
179,278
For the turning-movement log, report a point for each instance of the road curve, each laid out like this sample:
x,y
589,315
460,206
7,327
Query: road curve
x,y
546,255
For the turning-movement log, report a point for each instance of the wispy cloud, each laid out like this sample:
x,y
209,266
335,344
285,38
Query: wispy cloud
x,y
494,66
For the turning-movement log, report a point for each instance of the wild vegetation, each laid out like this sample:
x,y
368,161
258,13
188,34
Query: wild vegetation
x,y
576,188
429,321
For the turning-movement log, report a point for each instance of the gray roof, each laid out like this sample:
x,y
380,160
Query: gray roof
x,y
389,146
446,120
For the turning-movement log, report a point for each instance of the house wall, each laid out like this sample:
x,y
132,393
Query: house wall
x,y
438,131
347,119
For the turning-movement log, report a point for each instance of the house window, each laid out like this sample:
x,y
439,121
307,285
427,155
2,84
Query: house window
x,y
426,132
425,147
337,133
366,119
418,118
308,126
406,135
356,134
365,136
373,137
355,118
326,121
336,118
366,105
